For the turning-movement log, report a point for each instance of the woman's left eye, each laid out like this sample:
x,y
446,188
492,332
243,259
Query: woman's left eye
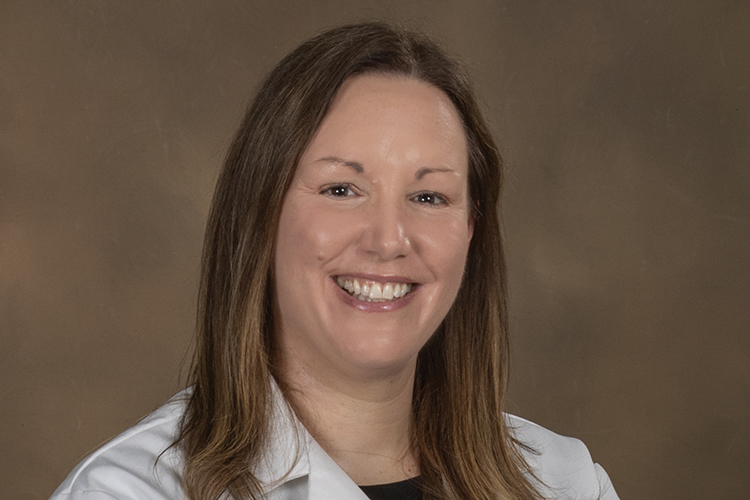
x,y
430,199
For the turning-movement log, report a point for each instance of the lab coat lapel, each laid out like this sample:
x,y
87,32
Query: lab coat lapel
x,y
313,474
328,481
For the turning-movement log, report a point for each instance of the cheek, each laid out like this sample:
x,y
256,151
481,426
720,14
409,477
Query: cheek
x,y
308,235
445,252
446,245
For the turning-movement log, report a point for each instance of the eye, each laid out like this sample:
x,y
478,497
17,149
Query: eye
x,y
338,191
430,198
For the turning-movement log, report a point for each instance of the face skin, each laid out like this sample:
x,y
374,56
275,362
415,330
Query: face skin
x,y
381,196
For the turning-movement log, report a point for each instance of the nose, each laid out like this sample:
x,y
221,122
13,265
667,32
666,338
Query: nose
x,y
386,233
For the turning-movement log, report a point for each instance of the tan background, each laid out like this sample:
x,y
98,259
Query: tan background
x,y
625,126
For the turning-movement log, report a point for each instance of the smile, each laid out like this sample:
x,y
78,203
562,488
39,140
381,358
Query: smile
x,y
373,291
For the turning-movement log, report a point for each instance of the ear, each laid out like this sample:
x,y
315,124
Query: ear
x,y
471,226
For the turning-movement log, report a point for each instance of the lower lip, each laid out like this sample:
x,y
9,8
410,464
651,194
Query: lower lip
x,y
375,306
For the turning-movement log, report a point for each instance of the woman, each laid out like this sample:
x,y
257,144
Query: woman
x,y
352,336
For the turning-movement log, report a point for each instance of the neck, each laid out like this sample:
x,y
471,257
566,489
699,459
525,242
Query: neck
x,y
364,425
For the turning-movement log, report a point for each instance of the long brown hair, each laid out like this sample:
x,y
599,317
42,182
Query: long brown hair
x,y
465,448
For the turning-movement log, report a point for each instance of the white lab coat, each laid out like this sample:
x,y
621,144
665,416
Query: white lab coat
x,y
126,468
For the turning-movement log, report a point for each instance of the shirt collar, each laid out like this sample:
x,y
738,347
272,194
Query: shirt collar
x,y
293,454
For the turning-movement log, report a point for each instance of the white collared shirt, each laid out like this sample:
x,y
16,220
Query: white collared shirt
x,y
126,468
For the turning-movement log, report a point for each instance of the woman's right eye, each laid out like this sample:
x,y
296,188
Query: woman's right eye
x,y
339,191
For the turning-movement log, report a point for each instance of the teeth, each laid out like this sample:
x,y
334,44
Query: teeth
x,y
373,291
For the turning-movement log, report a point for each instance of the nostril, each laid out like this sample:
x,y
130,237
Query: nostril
x,y
391,243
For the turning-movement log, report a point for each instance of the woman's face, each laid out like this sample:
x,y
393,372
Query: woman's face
x,y
374,230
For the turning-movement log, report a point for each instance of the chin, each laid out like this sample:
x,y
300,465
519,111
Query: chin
x,y
380,356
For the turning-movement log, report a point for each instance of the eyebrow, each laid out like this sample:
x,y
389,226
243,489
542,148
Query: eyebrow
x,y
357,166
429,170
354,165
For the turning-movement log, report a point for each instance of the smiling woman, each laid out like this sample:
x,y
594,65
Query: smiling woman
x,y
352,338
386,228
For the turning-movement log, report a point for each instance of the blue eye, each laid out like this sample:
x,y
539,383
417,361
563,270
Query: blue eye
x,y
338,191
430,199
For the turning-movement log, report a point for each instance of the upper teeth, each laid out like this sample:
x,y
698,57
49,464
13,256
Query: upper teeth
x,y
372,290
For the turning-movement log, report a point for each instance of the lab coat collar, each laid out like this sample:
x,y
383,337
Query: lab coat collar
x,y
295,462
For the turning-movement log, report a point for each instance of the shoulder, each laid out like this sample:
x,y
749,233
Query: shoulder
x,y
137,464
562,464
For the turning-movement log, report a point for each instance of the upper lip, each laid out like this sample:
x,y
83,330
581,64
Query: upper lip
x,y
381,278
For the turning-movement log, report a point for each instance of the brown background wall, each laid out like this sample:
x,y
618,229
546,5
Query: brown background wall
x,y
625,127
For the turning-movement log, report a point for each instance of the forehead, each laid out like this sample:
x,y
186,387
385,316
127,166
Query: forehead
x,y
372,92
389,115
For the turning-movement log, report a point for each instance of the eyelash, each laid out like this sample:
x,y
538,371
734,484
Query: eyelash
x,y
329,190
435,199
